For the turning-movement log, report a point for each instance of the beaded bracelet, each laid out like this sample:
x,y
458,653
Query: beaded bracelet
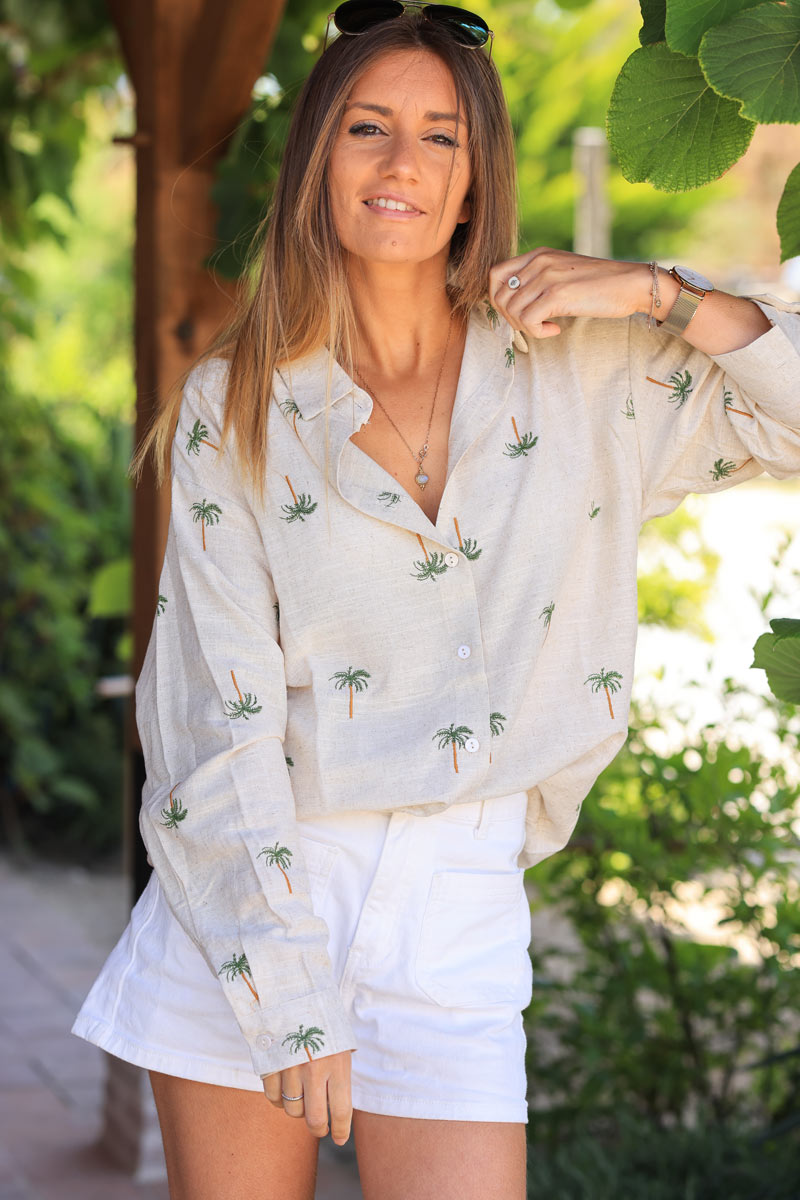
x,y
656,296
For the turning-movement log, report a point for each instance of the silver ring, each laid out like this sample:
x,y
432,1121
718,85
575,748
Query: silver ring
x,y
300,1097
514,282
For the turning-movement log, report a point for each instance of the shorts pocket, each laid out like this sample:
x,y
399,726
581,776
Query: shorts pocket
x,y
319,858
473,948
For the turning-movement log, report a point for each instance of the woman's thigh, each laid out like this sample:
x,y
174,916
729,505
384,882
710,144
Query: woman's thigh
x,y
408,1158
224,1143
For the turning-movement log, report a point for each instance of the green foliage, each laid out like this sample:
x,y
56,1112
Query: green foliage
x,y
65,511
640,1160
778,653
789,215
676,573
685,105
681,895
62,513
668,126
766,80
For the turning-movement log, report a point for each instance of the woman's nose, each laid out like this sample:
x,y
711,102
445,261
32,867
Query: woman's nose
x,y
401,157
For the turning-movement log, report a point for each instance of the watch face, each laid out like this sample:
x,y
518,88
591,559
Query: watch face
x,y
694,278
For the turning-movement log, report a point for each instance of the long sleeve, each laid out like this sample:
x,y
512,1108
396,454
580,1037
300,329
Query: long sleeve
x,y
705,423
218,815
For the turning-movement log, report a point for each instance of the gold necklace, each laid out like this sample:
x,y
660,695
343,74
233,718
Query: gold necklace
x,y
420,478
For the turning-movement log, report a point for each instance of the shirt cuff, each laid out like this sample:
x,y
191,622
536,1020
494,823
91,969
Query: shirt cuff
x,y
298,1031
768,370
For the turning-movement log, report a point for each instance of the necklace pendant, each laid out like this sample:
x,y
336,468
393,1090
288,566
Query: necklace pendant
x,y
421,478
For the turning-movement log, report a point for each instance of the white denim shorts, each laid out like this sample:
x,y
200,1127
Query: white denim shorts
x,y
429,932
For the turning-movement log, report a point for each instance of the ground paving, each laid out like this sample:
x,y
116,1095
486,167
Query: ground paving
x,y
57,925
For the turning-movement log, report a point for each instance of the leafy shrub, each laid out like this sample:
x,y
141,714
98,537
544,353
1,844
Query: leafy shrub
x,y
636,1010
63,511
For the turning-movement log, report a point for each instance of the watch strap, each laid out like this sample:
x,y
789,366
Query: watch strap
x,y
684,307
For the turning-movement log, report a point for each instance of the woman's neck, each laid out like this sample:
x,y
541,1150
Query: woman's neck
x,y
402,320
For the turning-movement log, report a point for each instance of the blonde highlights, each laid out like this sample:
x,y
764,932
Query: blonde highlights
x,y
294,297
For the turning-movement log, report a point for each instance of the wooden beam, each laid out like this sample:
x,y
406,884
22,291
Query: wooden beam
x,y
225,53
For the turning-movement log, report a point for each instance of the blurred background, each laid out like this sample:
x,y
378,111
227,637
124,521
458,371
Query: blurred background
x,y
663,1033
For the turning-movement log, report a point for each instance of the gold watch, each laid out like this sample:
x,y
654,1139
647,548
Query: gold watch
x,y
694,287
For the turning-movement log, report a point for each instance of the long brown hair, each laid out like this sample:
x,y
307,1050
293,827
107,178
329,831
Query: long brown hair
x,y
294,297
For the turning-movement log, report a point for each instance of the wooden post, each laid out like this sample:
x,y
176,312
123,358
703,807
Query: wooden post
x,y
192,64
592,229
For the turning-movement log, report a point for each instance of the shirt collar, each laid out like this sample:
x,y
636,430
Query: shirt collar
x,y
306,380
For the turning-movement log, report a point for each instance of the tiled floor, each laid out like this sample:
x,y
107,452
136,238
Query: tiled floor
x,y
57,924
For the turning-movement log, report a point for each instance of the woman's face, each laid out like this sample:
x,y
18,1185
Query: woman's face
x,y
395,147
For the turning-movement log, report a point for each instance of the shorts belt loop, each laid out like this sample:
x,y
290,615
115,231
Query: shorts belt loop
x,y
481,830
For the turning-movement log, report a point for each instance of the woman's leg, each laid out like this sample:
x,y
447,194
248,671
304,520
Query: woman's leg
x,y
225,1143
409,1158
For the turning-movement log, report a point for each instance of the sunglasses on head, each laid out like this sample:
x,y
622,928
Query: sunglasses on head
x,y
359,16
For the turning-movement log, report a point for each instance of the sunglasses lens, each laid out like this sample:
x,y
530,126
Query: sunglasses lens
x,y
354,16
466,27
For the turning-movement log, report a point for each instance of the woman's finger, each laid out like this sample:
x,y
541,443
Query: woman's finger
x,y
340,1103
292,1084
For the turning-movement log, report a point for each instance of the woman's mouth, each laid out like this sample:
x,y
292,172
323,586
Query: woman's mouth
x,y
385,204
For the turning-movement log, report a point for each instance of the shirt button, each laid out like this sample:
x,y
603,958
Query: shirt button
x,y
464,652
264,1042
451,559
471,745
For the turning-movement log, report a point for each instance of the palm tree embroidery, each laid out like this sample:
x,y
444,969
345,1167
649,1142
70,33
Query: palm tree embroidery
x,y
289,761
199,434
491,315
175,813
207,514
680,385
301,508
352,679
594,509
496,720
389,498
161,604
628,410
547,613
277,856
522,444
469,547
303,1038
239,966
511,357
277,608
609,681
245,706
290,409
722,468
434,565
728,401
455,735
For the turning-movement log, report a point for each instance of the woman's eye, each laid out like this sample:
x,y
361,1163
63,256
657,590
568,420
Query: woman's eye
x,y
364,128
444,139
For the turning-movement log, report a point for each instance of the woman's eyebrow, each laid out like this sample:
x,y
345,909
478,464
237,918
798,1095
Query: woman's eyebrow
x,y
389,112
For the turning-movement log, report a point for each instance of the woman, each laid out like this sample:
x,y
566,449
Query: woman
x,y
396,626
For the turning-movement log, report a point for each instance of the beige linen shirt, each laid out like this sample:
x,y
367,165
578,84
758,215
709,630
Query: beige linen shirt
x,y
331,649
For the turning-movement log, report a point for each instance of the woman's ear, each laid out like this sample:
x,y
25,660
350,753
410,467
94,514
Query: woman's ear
x,y
466,211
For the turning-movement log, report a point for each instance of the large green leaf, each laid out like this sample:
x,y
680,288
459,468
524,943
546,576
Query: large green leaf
x,y
667,126
111,590
654,13
755,58
789,216
780,658
688,20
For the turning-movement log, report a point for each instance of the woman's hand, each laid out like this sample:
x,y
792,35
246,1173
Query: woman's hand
x,y
322,1082
556,283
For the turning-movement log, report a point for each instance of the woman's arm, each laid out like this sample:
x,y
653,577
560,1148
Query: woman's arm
x,y
556,283
218,815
